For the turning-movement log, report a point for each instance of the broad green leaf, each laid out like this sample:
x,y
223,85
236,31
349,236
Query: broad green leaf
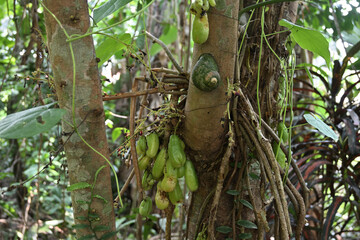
x,y
246,204
80,226
116,133
110,46
91,236
309,39
108,235
233,192
78,185
81,218
224,229
100,228
108,8
321,126
167,38
245,236
246,224
30,122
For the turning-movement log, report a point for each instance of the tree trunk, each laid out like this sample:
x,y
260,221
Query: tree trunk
x,y
205,133
92,207
203,130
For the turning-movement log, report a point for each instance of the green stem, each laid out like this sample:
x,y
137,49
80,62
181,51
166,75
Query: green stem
x,y
259,65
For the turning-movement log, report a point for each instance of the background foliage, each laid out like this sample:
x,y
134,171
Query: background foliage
x,y
34,202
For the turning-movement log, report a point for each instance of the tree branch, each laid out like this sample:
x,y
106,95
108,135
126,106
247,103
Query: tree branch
x,y
166,49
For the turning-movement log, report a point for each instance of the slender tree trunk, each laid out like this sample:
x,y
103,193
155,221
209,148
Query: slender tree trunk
x,y
96,212
206,136
203,130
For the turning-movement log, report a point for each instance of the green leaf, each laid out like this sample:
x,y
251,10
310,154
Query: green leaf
x,y
81,218
246,204
309,39
82,202
78,185
100,228
245,236
108,8
110,46
80,226
108,235
93,215
91,236
100,197
246,224
254,176
224,229
116,133
233,192
321,126
30,122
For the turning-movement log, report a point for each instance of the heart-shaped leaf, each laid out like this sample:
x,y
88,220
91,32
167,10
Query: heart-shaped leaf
x,y
309,39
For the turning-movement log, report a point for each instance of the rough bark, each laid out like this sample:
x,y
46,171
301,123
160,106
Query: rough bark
x,y
203,131
89,114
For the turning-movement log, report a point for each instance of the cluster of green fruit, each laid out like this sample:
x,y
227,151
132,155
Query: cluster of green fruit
x,y
200,30
165,166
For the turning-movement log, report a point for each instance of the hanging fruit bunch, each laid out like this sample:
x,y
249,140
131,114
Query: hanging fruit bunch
x,y
200,30
164,165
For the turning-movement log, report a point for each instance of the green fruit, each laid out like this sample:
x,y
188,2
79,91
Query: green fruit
x,y
283,132
177,155
144,182
205,75
147,181
182,144
195,9
212,3
180,172
152,141
168,183
200,31
144,162
159,164
279,155
161,200
141,146
206,5
145,207
176,195
190,176
170,170
158,186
